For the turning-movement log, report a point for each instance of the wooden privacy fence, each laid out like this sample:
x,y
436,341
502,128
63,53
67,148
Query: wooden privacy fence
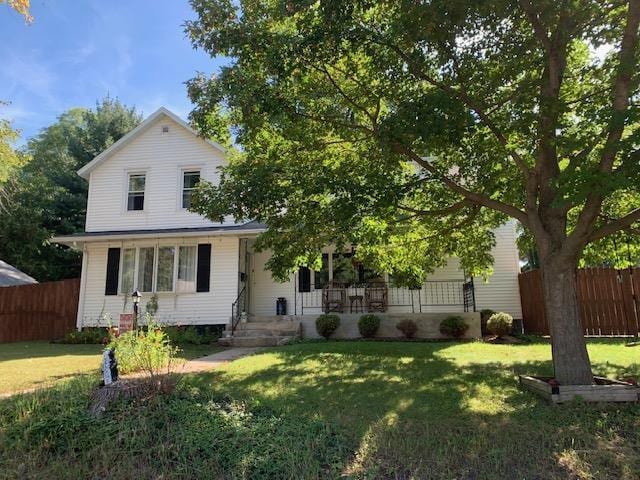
x,y
609,301
43,311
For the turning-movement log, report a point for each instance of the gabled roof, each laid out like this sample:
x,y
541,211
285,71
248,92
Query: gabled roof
x,y
146,123
10,276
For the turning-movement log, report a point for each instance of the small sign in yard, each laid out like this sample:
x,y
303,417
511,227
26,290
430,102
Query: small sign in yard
x,y
109,367
126,322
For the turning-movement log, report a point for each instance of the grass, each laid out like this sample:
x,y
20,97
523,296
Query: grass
x,y
27,365
352,409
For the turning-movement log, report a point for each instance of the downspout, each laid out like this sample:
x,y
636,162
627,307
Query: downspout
x,y
83,285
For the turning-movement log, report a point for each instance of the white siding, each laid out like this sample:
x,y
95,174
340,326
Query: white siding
x,y
211,307
162,157
501,291
264,290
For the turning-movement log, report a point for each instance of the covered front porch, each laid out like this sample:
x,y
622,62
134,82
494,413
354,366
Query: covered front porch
x,y
348,289
345,286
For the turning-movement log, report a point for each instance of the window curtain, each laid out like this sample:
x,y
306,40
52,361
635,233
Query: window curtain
x,y
187,269
145,269
164,279
128,270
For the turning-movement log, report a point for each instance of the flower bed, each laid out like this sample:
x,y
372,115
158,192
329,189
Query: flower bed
x,y
603,390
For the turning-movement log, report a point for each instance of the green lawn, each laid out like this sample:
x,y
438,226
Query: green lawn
x,y
338,409
28,365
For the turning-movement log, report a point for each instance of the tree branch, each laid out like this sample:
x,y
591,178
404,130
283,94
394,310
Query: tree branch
x,y
616,225
348,98
438,212
621,91
474,197
622,86
538,27
464,98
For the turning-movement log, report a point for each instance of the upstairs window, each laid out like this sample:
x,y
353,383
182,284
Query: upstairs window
x,y
190,180
135,194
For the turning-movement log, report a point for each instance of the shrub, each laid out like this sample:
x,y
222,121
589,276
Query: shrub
x,y
368,325
146,349
500,324
484,316
453,326
87,335
152,305
407,327
196,335
327,324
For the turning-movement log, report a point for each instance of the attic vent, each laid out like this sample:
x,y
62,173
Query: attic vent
x,y
165,129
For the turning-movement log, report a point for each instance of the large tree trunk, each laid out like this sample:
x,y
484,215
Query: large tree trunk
x,y
569,349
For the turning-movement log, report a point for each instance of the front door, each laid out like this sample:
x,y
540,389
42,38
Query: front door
x,y
244,281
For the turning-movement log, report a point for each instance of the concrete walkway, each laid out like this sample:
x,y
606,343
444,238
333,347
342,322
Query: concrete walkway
x,y
216,359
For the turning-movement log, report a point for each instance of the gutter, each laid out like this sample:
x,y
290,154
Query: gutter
x,y
73,240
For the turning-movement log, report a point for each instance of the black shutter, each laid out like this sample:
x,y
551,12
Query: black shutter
x,y
113,269
204,267
304,279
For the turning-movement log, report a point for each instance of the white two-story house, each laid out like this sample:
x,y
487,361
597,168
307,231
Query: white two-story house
x,y
140,235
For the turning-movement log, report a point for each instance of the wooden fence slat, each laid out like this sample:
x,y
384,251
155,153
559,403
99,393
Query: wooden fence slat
x,y
43,311
635,287
608,301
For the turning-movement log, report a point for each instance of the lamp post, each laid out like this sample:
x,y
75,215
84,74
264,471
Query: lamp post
x,y
135,296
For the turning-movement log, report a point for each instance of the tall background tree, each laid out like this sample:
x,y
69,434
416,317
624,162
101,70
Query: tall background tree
x,y
413,128
46,197
10,158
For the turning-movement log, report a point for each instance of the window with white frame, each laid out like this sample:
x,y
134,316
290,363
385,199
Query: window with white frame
x,y
159,268
135,192
190,180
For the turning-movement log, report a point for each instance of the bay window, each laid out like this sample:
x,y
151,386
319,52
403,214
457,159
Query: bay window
x,y
159,268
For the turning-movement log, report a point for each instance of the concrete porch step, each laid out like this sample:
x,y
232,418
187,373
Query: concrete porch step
x,y
272,318
268,331
264,332
255,341
286,325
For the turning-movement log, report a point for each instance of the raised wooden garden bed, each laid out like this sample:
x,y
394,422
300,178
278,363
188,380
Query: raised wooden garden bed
x,y
603,390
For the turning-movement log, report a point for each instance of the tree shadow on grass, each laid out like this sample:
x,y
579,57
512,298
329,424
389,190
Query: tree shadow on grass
x,y
362,409
414,413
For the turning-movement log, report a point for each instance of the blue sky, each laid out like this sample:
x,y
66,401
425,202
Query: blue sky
x,y
78,51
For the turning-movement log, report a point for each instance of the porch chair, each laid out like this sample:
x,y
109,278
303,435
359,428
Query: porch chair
x,y
376,295
333,297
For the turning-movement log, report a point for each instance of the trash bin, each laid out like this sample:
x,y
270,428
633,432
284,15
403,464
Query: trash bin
x,y
281,306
